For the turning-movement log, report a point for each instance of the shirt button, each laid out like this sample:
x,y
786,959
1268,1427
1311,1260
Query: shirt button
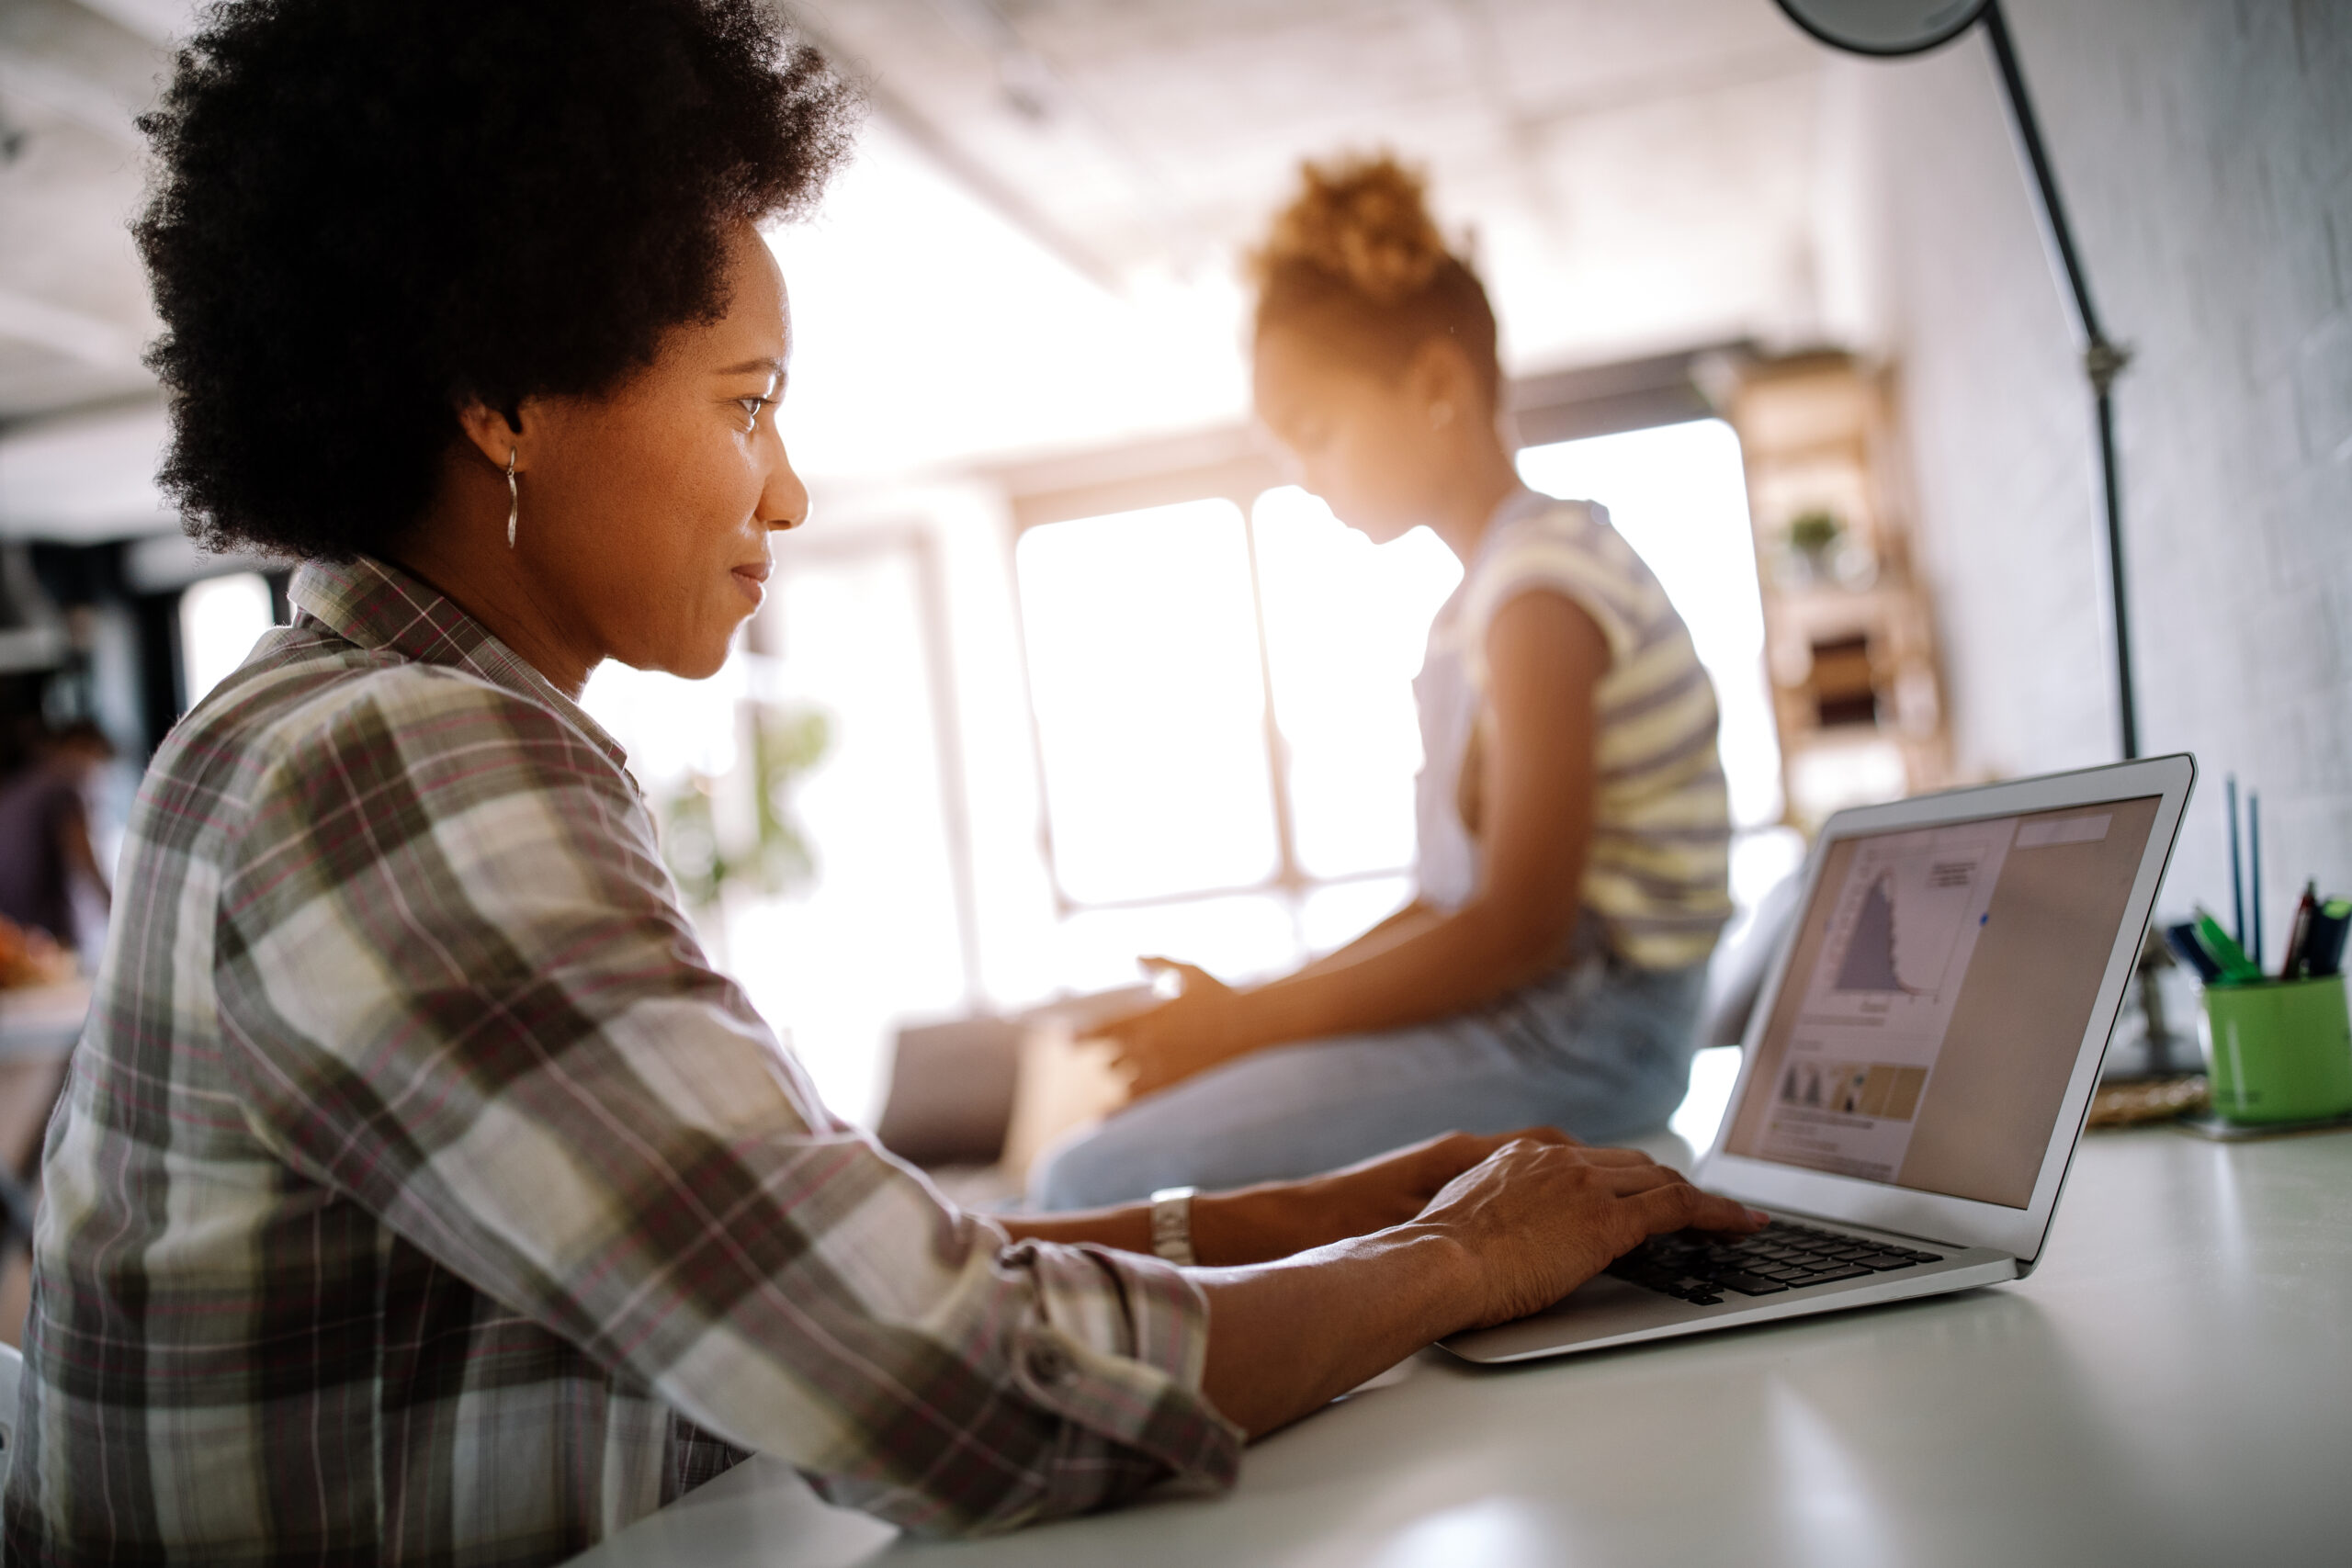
x,y
1050,1364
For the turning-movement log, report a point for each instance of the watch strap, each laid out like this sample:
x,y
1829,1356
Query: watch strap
x,y
1171,1224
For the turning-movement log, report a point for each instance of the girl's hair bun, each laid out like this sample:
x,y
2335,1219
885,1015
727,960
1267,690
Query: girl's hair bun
x,y
1362,220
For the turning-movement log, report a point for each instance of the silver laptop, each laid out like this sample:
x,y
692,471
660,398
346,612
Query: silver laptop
x,y
1918,1064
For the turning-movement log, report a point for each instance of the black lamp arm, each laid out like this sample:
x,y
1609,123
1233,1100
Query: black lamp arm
x,y
2103,359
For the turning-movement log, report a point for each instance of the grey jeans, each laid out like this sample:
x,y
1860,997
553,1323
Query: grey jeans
x,y
1598,1048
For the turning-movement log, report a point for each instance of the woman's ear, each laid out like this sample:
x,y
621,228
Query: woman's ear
x,y
493,435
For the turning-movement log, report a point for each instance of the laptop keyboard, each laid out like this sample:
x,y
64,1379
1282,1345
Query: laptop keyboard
x,y
1698,1267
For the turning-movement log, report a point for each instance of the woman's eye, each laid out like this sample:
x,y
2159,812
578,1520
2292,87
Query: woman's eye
x,y
752,407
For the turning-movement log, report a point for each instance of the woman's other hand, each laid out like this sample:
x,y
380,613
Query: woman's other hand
x,y
1256,1225
1170,1042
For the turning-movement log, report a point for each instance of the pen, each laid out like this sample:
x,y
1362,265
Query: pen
x,y
2298,935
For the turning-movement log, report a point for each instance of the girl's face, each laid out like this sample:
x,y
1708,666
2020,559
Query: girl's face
x,y
646,512
1376,448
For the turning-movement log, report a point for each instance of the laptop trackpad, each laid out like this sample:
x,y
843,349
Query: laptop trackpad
x,y
1602,1308
1605,1304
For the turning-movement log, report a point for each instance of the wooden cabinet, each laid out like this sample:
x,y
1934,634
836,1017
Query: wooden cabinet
x,y
1849,636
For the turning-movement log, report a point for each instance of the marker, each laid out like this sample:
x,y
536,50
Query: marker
x,y
2323,951
2237,969
2182,940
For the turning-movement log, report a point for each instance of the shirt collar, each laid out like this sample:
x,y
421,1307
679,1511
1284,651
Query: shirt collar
x,y
1516,507
1519,504
375,605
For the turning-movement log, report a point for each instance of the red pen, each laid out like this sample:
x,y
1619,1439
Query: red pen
x,y
2299,935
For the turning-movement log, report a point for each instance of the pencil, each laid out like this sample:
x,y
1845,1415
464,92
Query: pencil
x,y
2237,876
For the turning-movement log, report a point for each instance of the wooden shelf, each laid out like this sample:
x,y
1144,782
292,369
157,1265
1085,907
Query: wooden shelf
x,y
1849,632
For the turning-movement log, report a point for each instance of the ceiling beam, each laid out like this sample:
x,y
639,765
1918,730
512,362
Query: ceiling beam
x,y
975,178
155,20
70,94
77,335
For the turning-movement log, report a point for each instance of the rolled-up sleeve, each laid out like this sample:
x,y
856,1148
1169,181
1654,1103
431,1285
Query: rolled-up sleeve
x,y
458,991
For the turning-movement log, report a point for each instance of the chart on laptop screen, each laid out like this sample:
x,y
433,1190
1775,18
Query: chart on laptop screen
x,y
1902,928
1937,995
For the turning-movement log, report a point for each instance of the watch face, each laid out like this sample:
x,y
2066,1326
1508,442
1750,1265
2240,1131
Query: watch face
x,y
1171,1224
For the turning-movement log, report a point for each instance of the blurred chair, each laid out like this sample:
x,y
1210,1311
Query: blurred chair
x,y
1736,974
983,1092
951,1092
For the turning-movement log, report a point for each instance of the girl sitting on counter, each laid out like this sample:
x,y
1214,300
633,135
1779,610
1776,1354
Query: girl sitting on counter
x,y
1574,831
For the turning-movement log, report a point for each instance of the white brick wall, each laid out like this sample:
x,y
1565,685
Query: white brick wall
x,y
2205,149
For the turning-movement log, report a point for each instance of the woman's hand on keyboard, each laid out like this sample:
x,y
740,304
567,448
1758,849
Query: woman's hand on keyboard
x,y
1536,1219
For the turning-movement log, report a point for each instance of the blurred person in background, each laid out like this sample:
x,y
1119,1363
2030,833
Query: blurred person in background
x,y
1573,823
48,871
420,1193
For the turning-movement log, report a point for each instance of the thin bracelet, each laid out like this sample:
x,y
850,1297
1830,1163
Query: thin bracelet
x,y
1171,1224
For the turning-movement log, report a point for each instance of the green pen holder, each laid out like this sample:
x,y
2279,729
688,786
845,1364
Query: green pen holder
x,y
2278,1050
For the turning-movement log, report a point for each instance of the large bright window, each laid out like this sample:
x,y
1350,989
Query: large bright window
x,y
1151,702
1346,622
1159,642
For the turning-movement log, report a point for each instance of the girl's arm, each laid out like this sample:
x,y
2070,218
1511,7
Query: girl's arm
x,y
1544,656
1408,921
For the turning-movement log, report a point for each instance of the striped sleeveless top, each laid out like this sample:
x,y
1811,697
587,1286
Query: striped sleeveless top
x,y
1657,871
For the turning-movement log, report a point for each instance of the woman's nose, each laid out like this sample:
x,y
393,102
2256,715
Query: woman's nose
x,y
783,504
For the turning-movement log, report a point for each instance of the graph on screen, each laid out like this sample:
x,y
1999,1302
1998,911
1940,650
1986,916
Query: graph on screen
x,y
1904,928
1901,943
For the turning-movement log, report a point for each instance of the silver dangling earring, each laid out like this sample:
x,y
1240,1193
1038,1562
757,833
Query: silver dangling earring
x,y
513,496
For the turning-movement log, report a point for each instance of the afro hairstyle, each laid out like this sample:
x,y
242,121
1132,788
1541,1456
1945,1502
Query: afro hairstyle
x,y
365,214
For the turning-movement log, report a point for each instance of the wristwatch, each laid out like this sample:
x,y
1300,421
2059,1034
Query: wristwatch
x,y
1171,1224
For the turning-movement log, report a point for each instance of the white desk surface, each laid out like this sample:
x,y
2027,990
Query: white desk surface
x,y
2174,1385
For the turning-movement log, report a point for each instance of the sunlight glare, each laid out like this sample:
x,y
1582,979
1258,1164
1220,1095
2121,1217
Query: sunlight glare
x,y
1143,663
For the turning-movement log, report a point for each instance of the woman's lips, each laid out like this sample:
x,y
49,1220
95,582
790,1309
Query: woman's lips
x,y
750,578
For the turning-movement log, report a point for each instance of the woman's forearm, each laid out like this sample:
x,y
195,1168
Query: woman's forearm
x,y
1250,1224
1286,1338
1517,1231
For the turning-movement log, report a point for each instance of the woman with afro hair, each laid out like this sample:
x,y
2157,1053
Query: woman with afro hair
x,y
420,1194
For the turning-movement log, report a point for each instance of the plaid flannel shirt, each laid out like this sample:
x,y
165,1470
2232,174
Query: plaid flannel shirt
x,y
420,1195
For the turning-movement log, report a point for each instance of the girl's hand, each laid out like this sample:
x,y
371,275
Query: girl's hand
x,y
1192,1032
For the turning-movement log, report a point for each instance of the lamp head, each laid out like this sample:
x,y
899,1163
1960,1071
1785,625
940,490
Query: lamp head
x,y
1884,28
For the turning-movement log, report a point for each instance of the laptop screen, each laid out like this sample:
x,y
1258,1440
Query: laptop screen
x,y
1938,989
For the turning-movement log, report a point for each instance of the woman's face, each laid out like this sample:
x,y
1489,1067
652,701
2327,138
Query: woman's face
x,y
1365,443
646,512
